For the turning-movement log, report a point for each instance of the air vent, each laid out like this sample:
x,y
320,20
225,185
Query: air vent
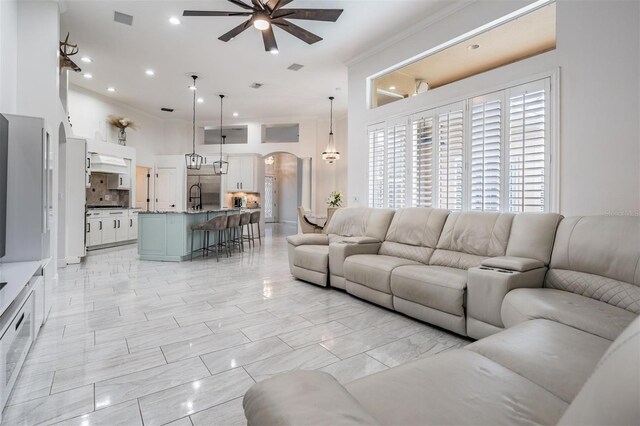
x,y
166,109
295,67
256,85
123,18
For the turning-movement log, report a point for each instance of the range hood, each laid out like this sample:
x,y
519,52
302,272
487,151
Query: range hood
x,y
108,164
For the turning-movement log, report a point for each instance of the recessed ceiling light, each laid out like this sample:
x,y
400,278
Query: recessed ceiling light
x,y
150,72
392,87
174,21
473,46
235,114
274,51
86,59
88,76
200,100
111,89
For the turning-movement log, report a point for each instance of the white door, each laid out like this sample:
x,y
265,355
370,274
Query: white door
x,y
269,199
166,180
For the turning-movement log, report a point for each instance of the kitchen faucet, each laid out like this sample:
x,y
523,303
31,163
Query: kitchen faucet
x,y
198,196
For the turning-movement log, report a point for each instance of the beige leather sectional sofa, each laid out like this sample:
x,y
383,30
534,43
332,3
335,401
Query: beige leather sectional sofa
x,y
555,362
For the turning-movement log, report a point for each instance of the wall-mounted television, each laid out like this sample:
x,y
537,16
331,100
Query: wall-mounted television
x,y
4,152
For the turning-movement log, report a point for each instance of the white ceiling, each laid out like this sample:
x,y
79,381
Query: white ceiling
x,y
121,54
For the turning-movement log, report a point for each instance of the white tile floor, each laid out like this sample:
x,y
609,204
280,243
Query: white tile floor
x,y
131,343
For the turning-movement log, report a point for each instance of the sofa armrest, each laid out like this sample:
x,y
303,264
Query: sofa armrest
x,y
303,398
353,240
308,240
338,253
511,263
487,287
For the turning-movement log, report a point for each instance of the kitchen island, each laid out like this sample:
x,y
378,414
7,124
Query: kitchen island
x,y
166,236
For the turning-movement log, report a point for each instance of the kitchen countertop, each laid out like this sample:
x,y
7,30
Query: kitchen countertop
x,y
190,211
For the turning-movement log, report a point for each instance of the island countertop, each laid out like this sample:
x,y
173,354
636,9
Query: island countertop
x,y
203,211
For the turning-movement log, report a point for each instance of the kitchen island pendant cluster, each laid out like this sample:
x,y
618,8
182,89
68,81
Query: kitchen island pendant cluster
x,y
194,161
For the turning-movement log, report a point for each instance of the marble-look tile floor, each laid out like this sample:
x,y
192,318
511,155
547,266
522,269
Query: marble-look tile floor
x,y
131,343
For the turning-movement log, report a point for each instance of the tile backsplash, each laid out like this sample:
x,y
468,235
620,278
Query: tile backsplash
x,y
99,195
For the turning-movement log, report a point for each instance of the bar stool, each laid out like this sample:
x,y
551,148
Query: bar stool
x,y
233,238
245,218
217,224
255,219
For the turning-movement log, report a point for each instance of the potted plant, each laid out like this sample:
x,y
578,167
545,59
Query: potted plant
x,y
335,202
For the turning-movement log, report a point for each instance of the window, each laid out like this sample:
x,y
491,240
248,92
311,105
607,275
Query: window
x,y
486,140
422,160
376,167
450,157
486,153
396,165
528,147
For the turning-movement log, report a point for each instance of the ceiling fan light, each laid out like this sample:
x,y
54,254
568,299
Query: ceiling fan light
x,y
261,22
274,51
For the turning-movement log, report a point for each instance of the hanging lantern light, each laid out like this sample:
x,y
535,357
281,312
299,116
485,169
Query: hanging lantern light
x,y
330,154
193,160
221,167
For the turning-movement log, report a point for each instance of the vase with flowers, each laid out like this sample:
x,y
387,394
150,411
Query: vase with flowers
x,y
122,124
335,202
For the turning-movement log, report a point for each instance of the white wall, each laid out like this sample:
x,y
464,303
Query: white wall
x,y
9,56
598,54
89,112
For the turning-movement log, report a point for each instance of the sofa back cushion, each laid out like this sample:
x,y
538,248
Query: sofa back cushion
x,y
359,222
414,233
610,396
532,235
598,257
469,238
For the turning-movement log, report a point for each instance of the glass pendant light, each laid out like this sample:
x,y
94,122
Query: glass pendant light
x,y
221,167
330,154
194,161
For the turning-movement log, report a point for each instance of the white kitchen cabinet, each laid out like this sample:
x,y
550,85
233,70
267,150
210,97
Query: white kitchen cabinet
x,y
122,229
121,181
132,230
87,172
94,231
166,190
242,174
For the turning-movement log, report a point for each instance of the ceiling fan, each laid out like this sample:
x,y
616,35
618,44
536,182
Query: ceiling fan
x,y
267,13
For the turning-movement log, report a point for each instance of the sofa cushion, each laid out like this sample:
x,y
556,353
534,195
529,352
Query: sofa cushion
x,y
455,388
455,259
611,395
372,270
576,311
303,397
315,258
359,222
532,235
617,293
437,287
557,357
308,239
414,233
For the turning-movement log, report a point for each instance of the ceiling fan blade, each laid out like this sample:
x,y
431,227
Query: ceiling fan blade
x,y
234,32
328,15
274,5
241,4
294,30
257,4
213,13
269,40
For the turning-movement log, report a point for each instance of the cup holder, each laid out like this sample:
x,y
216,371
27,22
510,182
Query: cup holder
x,y
484,268
505,271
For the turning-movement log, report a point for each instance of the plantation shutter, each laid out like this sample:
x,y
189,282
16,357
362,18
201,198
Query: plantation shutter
x,y
450,156
528,134
396,165
486,141
422,160
376,167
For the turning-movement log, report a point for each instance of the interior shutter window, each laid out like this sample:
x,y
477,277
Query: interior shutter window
x,y
376,168
422,161
486,129
450,157
527,147
396,166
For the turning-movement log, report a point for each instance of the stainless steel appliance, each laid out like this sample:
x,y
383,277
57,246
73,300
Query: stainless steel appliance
x,y
239,202
204,189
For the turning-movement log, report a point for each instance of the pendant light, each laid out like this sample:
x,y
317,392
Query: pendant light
x,y
221,167
194,161
330,154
